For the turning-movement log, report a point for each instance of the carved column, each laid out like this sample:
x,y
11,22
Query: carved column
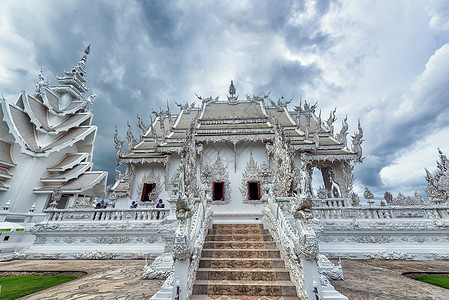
x,y
326,173
343,177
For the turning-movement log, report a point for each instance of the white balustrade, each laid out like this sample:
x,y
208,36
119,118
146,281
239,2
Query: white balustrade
x,y
382,212
107,214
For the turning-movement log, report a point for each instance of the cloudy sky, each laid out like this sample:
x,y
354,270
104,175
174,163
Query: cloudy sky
x,y
384,62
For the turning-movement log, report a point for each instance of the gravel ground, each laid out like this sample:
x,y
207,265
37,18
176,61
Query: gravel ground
x,y
122,279
104,279
383,279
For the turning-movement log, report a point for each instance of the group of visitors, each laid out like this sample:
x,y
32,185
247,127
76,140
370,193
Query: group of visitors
x,y
160,204
101,204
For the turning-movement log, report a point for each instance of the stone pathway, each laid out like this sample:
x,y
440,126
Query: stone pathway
x,y
105,279
382,280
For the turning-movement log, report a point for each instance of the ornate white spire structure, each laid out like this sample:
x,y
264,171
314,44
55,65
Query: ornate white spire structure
x,y
53,128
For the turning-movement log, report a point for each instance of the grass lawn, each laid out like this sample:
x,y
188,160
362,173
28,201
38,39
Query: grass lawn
x,y
14,287
437,280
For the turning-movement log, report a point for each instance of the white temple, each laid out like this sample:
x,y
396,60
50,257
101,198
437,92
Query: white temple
x,y
235,143
235,176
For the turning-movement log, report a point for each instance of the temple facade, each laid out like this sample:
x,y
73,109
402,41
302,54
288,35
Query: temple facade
x,y
240,153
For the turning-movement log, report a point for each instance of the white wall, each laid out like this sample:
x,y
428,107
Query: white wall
x,y
26,176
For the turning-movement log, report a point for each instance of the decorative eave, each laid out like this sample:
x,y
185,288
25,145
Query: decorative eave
x,y
72,80
68,161
83,183
27,142
52,100
146,159
6,154
224,132
72,121
5,173
120,188
304,146
3,186
235,138
331,157
68,174
26,136
37,112
75,135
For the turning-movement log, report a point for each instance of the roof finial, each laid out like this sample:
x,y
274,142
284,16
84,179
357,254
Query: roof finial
x,y
232,96
82,63
232,88
41,83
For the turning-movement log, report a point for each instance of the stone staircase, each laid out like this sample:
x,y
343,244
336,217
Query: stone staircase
x,y
240,261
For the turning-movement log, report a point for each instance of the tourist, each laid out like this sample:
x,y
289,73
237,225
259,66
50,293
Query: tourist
x,y
133,204
159,205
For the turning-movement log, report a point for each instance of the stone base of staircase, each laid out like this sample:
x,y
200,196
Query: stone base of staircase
x,y
240,261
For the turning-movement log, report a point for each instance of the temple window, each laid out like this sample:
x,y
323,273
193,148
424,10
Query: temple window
x,y
146,191
218,191
254,190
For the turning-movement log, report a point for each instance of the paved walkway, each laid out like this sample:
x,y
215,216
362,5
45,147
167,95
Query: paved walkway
x,y
382,280
105,279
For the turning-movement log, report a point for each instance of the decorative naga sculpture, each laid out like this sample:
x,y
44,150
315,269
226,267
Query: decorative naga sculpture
x,y
183,212
118,147
341,137
357,140
301,208
331,120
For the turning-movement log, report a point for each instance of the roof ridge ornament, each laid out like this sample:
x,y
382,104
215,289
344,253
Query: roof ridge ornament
x,y
232,92
41,83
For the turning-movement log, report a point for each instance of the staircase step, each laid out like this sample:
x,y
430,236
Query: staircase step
x,y
239,237
245,226
238,231
208,262
241,253
241,261
239,245
252,288
242,274
241,297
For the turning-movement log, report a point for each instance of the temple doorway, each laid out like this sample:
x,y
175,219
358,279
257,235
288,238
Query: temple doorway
x,y
218,191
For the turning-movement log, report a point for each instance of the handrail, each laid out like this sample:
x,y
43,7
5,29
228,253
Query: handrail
x,y
282,230
193,216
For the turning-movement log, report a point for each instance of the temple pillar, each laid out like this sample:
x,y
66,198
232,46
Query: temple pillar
x,y
326,173
343,177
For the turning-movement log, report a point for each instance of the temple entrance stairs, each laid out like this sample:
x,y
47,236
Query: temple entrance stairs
x,y
240,261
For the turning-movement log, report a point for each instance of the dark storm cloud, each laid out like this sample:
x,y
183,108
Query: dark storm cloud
x,y
147,52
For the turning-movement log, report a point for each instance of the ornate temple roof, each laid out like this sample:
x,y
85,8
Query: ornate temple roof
x,y
233,120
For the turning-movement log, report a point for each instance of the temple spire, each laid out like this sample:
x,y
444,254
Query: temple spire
x,y
232,92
